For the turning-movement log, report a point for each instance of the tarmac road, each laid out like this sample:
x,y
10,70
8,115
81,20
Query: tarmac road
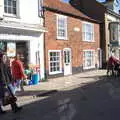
x,y
99,100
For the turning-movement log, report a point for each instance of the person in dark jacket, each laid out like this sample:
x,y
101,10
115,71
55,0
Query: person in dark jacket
x,y
5,79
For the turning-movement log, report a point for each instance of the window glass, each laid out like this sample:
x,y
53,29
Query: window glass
x,y
88,59
10,7
62,27
54,61
88,32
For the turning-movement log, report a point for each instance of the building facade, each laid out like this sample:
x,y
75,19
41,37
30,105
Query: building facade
x,y
106,16
22,31
72,43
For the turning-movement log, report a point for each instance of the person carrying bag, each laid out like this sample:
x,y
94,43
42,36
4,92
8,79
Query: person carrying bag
x,y
6,94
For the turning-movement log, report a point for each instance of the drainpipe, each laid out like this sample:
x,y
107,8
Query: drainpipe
x,y
44,44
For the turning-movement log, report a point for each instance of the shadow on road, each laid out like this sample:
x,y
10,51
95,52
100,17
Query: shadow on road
x,y
98,100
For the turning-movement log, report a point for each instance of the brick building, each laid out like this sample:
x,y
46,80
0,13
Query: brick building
x,y
72,43
107,13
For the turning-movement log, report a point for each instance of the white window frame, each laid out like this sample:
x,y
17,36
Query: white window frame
x,y
65,27
56,72
88,67
17,10
84,34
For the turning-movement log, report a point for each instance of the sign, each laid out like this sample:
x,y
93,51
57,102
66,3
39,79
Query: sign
x,y
76,29
11,49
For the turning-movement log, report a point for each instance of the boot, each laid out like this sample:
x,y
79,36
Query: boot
x,y
2,111
15,108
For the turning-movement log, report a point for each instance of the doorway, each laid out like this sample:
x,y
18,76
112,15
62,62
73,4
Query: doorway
x,y
67,61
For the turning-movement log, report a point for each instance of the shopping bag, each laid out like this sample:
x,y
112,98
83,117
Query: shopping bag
x,y
8,98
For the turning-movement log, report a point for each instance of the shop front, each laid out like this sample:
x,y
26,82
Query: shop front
x,y
27,42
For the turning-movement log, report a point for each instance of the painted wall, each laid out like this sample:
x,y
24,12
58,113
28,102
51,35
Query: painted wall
x,y
27,12
37,45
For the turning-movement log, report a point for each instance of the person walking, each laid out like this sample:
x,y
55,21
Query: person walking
x,y
5,81
18,72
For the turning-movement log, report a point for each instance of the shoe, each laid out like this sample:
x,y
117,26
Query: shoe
x,y
17,109
2,112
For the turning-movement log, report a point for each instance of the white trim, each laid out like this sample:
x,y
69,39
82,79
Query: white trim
x,y
66,31
16,37
23,28
93,39
57,72
92,50
70,60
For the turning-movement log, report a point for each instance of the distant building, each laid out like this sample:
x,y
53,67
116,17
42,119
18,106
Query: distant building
x,y
113,5
104,13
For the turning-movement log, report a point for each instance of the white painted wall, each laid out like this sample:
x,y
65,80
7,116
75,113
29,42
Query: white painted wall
x,y
1,9
38,45
27,12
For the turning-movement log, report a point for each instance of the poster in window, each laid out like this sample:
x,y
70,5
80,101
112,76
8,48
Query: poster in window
x,y
11,49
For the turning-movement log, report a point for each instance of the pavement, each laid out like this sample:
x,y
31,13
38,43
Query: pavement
x,y
32,92
85,96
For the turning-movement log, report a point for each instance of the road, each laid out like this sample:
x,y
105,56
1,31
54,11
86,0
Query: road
x,y
99,100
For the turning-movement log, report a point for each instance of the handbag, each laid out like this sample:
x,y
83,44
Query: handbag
x,y
8,98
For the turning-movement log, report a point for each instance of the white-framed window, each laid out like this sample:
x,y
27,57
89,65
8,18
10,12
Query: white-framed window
x,y
88,31
61,27
10,7
88,59
55,65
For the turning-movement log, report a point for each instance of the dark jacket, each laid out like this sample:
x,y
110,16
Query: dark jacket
x,y
5,74
5,77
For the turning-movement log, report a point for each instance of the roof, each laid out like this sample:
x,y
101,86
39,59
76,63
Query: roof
x,y
65,8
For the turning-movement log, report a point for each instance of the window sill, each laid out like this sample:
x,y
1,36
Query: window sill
x,y
60,38
11,15
85,68
88,41
53,73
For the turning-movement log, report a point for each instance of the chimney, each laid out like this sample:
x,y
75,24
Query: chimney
x,y
1,9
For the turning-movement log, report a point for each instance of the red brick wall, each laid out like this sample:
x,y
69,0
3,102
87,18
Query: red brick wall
x,y
74,38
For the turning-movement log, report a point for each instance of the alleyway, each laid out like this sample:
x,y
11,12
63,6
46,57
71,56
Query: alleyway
x,y
84,96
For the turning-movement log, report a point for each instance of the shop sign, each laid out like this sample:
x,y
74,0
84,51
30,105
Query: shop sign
x,y
11,49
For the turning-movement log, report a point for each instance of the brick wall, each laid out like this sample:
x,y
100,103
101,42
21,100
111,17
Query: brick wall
x,y
74,38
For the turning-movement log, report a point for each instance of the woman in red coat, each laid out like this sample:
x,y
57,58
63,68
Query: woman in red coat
x,y
18,71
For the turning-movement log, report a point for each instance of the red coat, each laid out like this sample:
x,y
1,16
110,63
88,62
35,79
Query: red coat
x,y
17,70
113,60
